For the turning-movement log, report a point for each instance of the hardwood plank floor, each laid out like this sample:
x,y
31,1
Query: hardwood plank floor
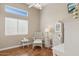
x,y
27,51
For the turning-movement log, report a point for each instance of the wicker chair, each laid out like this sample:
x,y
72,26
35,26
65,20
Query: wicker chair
x,y
38,39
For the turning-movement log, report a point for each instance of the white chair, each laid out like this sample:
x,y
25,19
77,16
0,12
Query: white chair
x,y
38,39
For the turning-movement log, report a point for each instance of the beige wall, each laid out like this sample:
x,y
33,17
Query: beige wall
x,y
34,25
71,32
50,15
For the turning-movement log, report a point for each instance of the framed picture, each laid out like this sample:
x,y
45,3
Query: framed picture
x,y
71,7
58,27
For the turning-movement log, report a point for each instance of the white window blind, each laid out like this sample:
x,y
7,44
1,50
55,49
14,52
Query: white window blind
x,y
10,26
22,27
15,26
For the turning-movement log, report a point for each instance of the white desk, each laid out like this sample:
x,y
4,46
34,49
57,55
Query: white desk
x,y
25,42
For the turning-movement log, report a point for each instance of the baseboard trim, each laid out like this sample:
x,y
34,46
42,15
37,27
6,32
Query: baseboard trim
x,y
10,47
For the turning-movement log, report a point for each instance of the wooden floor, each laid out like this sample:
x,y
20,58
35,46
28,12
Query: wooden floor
x,y
27,51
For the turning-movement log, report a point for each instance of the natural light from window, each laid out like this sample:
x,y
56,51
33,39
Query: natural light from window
x,y
15,26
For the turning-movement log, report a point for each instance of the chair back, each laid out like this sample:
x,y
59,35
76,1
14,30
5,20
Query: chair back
x,y
38,35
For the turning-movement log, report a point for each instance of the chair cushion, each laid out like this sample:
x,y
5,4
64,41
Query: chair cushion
x,y
37,41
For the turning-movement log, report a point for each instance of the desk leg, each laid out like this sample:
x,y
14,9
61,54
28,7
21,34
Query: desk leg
x,y
23,45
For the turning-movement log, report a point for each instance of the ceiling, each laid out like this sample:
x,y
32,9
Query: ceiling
x,y
37,5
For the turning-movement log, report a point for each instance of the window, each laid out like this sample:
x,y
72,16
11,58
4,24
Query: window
x,y
14,10
15,26
22,27
10,26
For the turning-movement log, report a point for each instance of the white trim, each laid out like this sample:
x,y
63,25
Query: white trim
x,y
19,45
10,47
